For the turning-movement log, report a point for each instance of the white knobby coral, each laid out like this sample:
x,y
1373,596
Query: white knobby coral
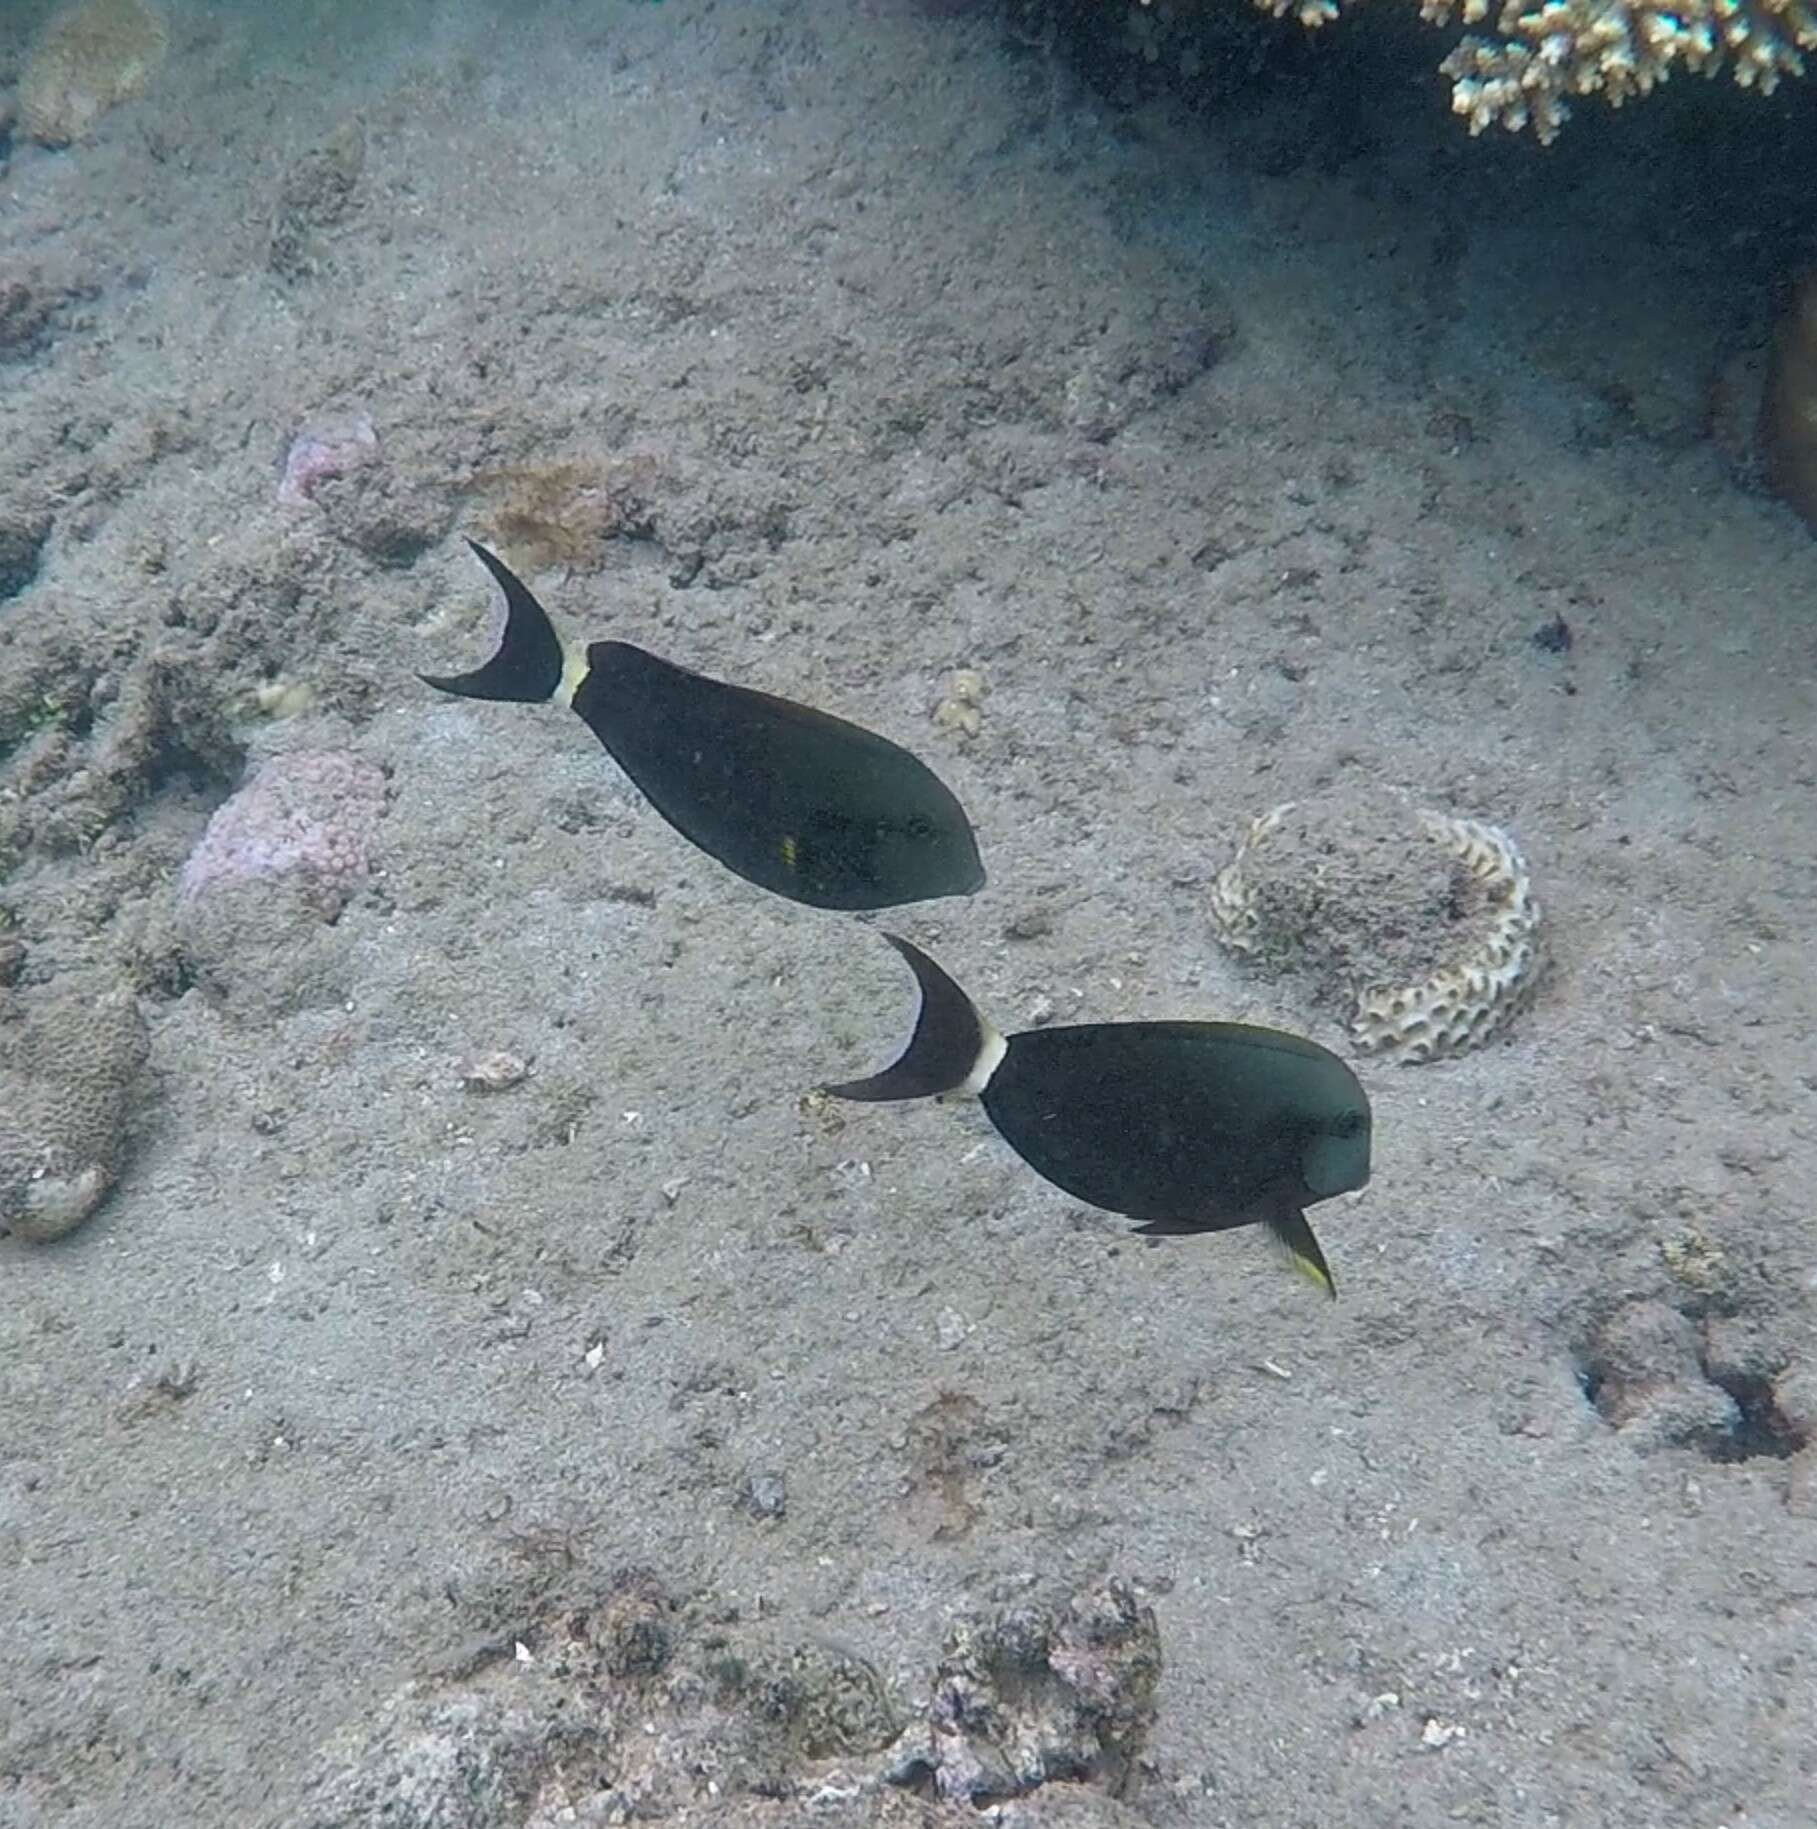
x,y
1467,1000
1427,952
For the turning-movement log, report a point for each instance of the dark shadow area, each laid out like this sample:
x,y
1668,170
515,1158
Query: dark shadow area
x,y
1762,1430
1701,167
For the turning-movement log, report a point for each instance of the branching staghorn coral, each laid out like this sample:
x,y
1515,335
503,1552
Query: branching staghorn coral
x,y
1542,53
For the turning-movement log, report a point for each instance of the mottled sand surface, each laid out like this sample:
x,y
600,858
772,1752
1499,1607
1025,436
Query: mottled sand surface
x,y
1243,451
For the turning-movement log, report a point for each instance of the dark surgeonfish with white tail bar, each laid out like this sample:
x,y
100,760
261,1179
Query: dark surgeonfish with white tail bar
x,y
1183,1126
791,799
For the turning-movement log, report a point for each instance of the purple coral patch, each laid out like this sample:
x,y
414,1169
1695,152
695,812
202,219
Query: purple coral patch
x,y
318,452
312,815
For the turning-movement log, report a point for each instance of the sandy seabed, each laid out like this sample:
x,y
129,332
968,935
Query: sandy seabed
x,y
1242,451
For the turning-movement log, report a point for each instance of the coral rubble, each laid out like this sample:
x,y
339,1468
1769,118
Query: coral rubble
x,y
631,1707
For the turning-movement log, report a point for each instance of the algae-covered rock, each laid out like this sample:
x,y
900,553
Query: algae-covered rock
x,y
91,56
1032,1697
636,1708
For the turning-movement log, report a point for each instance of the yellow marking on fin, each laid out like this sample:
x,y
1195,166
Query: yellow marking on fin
x,y
1300,1246
574,671
1313,1273
791,851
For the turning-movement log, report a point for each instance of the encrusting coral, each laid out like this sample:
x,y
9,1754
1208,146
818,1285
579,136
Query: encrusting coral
x,y
1524,72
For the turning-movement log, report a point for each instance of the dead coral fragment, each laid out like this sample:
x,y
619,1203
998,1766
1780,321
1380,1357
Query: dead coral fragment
x,y
495,1071
67,1073
91,56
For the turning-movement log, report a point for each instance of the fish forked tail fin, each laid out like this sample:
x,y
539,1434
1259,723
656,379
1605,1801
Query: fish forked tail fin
x,y
1287,1226
953,1048
530,663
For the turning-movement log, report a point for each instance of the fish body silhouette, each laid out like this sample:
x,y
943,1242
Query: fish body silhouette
x,y
792,799
1181,1126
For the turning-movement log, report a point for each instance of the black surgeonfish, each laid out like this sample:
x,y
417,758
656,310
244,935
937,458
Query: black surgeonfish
x,y
792,799
1183,1126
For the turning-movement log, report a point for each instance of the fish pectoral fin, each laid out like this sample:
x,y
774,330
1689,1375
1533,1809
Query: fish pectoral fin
x,y
1288,1228
1168,1228
530,664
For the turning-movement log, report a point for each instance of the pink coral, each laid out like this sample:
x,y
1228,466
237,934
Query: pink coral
x,y
318,452
311,815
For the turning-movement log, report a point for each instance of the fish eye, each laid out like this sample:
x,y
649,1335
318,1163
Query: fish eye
x,y
920,827
1349,1124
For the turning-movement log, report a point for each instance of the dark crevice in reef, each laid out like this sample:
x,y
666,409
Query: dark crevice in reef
x,y
1658,1374
1761,1430
23,539
172,762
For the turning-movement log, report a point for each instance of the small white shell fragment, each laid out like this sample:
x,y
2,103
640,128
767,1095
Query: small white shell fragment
x,y
961,708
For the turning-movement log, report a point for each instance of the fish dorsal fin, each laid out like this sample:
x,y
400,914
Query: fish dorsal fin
x,y
953,1048
530,664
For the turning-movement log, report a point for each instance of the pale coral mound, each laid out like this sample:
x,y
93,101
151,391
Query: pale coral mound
x,y
67,1071
90,56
